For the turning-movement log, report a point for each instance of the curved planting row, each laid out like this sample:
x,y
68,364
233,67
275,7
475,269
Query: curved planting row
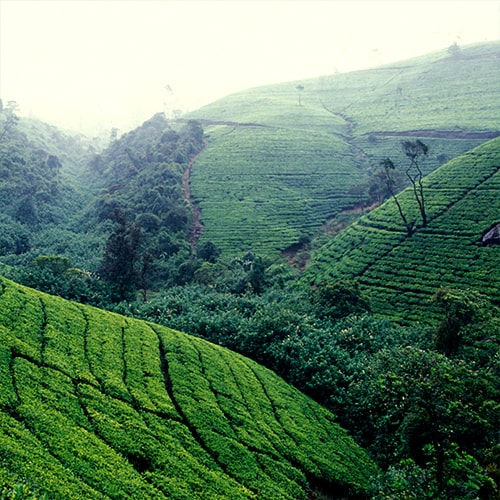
x,y
262,188
282,158
399,273
94,405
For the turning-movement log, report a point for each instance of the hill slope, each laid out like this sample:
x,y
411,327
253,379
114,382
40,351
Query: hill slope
x,y
399,273
282,159
94,405
39,194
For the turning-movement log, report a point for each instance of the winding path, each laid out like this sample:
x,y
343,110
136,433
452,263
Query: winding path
x,y
196,226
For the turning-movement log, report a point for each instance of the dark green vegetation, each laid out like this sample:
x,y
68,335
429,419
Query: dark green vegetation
x,y
399,273
122,213
398,337
36,192
95,405
423,400
277,168
142,198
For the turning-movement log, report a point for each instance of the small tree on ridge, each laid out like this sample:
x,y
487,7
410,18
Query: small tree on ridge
x,y
388,166
413,150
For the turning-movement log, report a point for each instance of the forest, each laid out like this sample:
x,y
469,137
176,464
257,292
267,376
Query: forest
x,y
378,323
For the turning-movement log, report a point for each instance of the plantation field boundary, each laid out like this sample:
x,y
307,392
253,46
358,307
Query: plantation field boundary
x,y
111,407
332,135
195,226
442,134
398,272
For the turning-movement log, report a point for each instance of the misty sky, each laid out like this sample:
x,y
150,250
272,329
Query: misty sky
x,y
97,64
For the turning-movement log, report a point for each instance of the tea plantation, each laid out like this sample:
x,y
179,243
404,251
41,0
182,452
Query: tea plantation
x,y
96,405
270,186
400,273
280,161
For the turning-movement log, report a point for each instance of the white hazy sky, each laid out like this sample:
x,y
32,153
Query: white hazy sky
x,y
90,64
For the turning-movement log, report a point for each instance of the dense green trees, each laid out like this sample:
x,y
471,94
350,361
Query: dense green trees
x,y
57,276
419,405
470,327
429,418
339,298
141,194
120,261
422,400
31,189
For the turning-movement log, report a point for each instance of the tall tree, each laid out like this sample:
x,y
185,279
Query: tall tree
x,y
120,260
389,167
414,150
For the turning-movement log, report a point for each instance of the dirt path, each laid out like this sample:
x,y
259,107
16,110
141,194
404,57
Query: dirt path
x,y
442,134
196,227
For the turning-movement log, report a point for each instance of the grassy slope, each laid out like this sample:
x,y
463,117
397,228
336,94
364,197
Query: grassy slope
x,y
274,170
95,405
400,273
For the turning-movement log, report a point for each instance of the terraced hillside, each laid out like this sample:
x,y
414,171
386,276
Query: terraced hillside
x,y
280,161
399,273
94,405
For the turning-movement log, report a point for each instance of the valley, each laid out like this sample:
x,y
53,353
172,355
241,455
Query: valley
x,y
358,118
283,294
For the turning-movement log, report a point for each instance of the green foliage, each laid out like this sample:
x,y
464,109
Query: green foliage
x,y
21,491
121,255
465,479
55,275
140,176
338,299
386,384
399,275
208,252
413,403
14,236
96,405
110,407
470,328
275,169
37,192
263,188
135,188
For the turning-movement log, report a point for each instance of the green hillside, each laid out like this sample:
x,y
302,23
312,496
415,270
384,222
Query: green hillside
x,y
282,159
95,405
40,190
124,207
400,273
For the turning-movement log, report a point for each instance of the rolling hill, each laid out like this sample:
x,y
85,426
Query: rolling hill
x,y
98,405
95,405
400,273
40,191
282,159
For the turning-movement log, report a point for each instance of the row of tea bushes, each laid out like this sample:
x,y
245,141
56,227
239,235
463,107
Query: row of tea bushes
x,y
112,407
399,273
265,187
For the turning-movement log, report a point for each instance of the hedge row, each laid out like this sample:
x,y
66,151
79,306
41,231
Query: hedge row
x,y
111,407
462,204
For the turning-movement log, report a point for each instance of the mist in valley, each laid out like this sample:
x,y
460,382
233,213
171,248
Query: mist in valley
x,y
93,66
